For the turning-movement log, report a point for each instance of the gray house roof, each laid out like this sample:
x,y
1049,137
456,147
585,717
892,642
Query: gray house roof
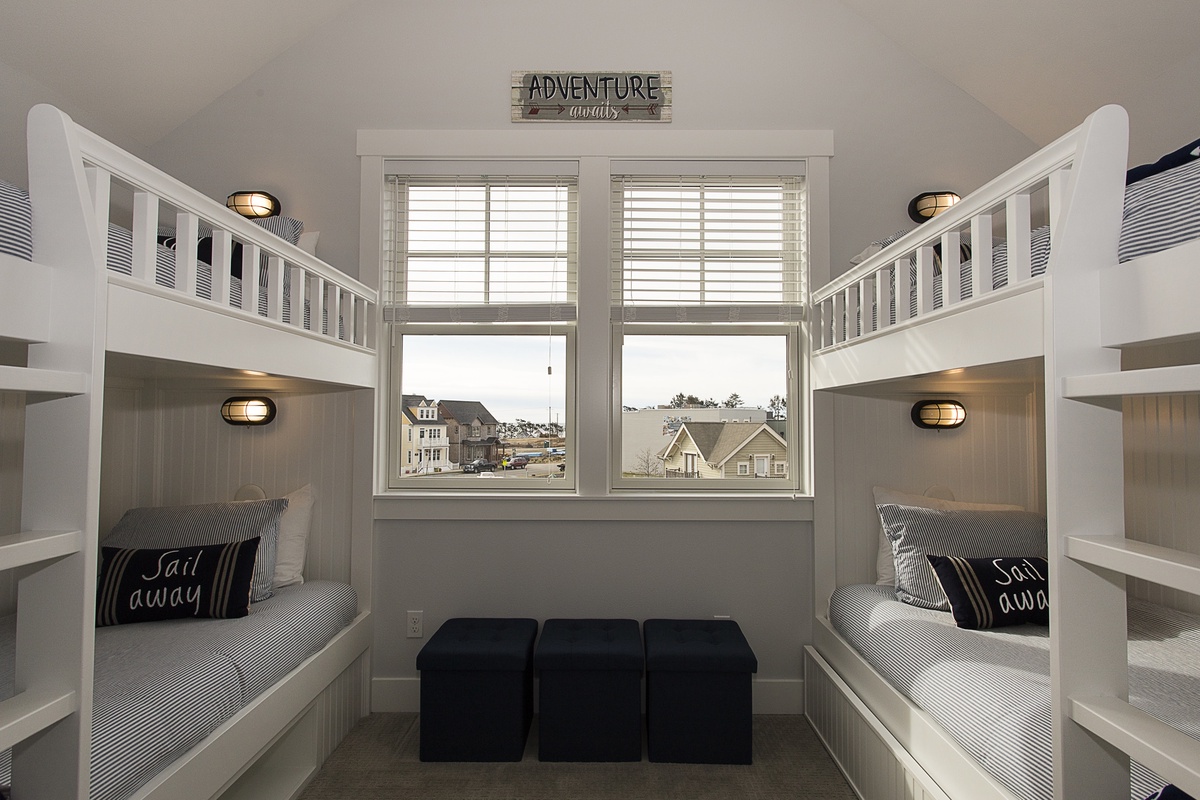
x,y
718,441
410,401
464,411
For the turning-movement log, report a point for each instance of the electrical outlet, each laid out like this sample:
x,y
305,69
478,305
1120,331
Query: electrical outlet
x,y
416,627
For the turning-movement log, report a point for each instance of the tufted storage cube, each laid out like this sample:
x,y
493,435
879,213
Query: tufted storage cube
x,y
590,690
477,689
698,691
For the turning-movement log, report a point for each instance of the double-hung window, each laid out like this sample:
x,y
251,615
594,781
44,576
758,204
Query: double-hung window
x,y
706,303
480,265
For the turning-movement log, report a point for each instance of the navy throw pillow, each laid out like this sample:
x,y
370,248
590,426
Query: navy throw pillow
x,y
994,592
1183,155
143,585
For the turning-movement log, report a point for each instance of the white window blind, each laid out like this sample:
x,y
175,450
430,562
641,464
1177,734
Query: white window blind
x,y
480,248
708,248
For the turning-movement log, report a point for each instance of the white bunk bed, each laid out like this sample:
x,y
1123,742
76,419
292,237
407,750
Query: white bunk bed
x,y
1068,339
69,330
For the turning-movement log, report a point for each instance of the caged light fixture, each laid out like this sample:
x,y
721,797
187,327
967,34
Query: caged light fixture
x,y
938,414
929,204
248,410
254,204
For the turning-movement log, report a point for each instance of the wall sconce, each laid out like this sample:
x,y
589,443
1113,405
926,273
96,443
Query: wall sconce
x,y
929,204
248,410
253,204
938,414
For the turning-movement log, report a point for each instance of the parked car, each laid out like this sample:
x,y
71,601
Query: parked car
x,y
556,451
515,462
479,465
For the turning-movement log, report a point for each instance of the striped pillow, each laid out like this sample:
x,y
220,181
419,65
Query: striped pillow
x,y
16,222
147,585
215,523
916,533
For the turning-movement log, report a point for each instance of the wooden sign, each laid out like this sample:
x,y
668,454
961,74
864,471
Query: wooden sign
x,y
591,96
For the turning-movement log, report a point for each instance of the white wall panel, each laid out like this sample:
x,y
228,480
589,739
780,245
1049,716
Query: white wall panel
x,y
12,441
166,446
992,458
1162,482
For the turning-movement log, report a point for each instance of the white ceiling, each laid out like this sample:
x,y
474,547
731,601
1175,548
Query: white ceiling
x,y
143,67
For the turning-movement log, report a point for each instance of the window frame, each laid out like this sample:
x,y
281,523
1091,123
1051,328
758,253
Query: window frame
x,y
378,149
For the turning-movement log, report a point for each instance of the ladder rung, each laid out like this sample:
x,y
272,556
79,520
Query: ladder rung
x,y
31,547
1151,562
31,712
1172,754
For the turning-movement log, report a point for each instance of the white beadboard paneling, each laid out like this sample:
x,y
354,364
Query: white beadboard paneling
x,y
1162,482
167,446
993,458
12,440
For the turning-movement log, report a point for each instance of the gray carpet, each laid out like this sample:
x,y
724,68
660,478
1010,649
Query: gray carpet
x,y
378,760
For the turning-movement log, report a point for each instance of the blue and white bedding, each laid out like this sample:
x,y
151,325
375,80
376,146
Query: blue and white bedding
x,y
991,689
16,222
161,687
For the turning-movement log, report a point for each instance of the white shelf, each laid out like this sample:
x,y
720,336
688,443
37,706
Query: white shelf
x,y
32,547
1107,389
42,384
1161,565
1167,751
28,713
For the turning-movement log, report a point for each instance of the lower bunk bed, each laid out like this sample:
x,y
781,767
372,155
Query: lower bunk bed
x,y
163,687
988,691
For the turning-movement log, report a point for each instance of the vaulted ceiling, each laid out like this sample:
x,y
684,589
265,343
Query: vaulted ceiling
x,y
145,67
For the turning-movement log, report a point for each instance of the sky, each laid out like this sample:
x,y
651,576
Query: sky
x,y
508,373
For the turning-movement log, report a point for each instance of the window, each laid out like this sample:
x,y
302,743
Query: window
x,y
707,297
701,290
480,301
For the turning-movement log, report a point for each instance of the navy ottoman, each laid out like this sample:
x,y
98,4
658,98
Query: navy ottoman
x,y
590,690
698,692
477,690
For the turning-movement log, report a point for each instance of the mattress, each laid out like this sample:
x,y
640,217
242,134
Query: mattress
x,y
161,687
991,689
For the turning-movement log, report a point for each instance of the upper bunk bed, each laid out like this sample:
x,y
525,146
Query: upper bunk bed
x,y
168,304
1061,213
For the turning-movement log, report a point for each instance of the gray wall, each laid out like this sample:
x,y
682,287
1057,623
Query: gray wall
x,y
762,64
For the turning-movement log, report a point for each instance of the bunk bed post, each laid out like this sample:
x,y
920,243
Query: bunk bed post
x,y
1084,465
61,488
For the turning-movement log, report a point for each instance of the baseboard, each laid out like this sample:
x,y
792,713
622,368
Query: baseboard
x,y
396,694
771,696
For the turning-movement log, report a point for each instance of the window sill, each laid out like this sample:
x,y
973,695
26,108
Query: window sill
x,y
616,507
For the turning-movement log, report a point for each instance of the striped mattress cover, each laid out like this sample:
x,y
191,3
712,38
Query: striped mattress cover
x,y
991,689
161,687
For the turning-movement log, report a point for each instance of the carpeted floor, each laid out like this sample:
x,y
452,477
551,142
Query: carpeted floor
x,y
378,760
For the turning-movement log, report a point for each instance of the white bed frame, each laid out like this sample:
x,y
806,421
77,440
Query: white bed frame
x,y
1069,327
81,323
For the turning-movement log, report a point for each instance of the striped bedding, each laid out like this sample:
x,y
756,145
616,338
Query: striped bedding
x,y
161,687
991,689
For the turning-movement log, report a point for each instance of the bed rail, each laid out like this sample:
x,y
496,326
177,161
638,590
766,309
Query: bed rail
x,y
341,309
857,305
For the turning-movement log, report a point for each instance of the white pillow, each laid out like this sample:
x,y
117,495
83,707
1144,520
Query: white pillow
x,y
885,563
292,545
308,242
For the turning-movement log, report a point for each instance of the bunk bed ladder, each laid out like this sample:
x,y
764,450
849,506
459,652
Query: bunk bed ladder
x,y
47,723
1096,730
